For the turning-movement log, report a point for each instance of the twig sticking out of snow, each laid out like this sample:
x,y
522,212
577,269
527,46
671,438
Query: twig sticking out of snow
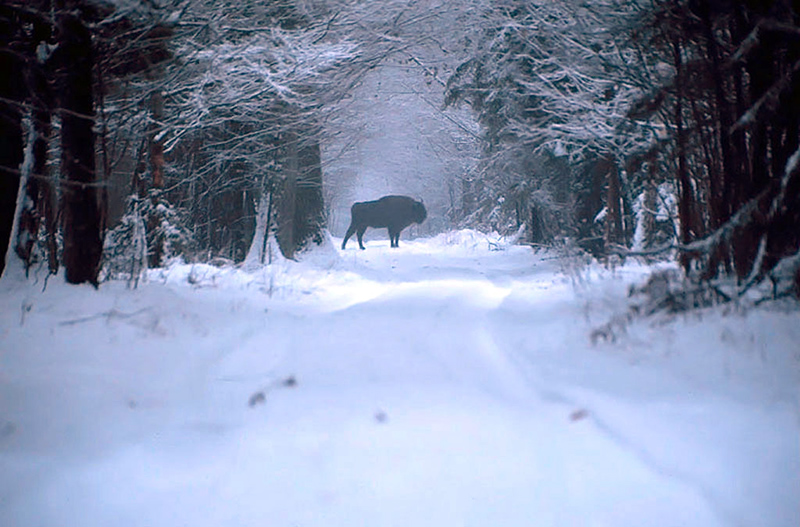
x,y
108,315
260,397
504,243
665,291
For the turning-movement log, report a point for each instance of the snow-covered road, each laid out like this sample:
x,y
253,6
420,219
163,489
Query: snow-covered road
x,y
439,384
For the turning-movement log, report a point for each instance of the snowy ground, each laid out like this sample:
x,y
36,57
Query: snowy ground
x,y
439,384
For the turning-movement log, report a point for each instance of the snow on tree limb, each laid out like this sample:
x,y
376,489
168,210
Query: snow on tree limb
x,y
768,101
748,213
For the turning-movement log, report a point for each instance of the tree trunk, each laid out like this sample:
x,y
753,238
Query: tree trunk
x,y
258,246
309,217
613,234
38,207
156,145
83,244
11,143
730,169
645,238
265,248
686,196
288,196
300,214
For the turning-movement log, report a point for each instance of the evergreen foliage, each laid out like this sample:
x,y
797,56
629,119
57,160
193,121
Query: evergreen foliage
x,y
150,234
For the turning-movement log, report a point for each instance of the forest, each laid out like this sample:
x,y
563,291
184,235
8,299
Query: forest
x,y
134,132
590,316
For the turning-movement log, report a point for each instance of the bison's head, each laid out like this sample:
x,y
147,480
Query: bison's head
x,y
419,212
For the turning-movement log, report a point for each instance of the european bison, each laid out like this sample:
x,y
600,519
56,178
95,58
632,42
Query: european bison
x,y
392,212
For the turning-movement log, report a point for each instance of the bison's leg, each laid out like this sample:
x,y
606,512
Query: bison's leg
x,y
394,237
350,231
360,235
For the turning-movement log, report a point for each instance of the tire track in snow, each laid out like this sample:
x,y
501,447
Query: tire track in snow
x,y
548,393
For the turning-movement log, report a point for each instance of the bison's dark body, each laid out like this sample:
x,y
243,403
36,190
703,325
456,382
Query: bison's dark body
x,y
391,212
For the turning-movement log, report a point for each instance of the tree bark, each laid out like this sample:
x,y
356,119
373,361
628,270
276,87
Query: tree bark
x,y
309,215
686,196
11,143
730,172
287,205
613,232
300,214
83,242
156,145
650,205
